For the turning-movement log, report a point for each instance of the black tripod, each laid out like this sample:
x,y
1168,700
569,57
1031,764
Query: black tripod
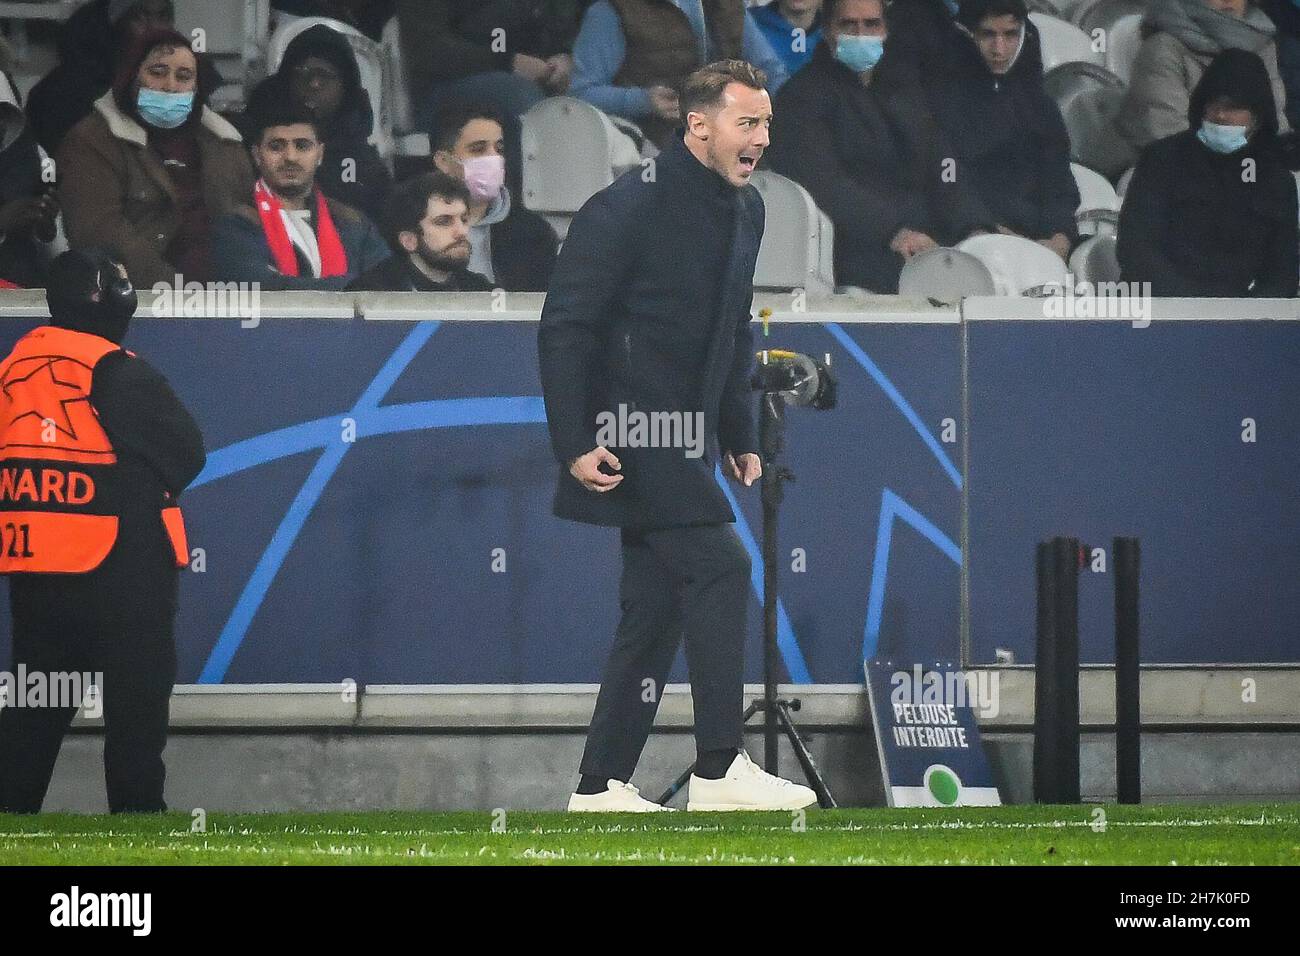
x,y
776,710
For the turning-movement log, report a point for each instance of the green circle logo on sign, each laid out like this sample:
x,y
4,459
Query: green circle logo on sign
x,y
944,785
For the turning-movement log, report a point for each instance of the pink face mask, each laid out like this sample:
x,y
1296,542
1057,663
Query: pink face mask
x,y
484,176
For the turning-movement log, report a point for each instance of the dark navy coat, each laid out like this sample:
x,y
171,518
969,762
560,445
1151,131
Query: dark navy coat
x,y
649,308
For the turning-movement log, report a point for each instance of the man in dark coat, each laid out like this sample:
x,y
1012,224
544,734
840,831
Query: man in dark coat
x,y
1211,211
1007,136
319,72
864,146
89,43
647,319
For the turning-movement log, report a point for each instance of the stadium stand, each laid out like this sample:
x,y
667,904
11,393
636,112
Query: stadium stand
x,y
1063,42
797,241
1120,26
1088,97
945,274
1098,202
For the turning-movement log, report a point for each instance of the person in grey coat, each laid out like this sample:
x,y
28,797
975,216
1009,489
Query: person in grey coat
x,y
1181,38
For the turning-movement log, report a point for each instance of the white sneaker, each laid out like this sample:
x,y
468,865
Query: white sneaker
x,y
619,797
747,787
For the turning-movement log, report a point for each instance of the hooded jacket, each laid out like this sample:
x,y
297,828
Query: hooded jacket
x,y
871,158
1182,37
1007,135
352,171
1193,222
116,188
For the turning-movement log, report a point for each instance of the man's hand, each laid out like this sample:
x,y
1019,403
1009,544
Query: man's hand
x,y
1059,243
909,242
532,68
586,468
561,72
24,213
663,102
747,468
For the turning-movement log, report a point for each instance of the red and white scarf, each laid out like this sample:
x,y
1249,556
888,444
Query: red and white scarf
x,y
275,226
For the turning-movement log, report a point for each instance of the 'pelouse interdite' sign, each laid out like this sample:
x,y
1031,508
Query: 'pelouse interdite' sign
x,y
927,735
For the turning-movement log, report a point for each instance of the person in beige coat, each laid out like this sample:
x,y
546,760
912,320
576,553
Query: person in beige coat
x,y
146,173
1181,38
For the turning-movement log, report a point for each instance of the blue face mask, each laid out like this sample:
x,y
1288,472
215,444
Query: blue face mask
x,y
1221,139
952,6
164,110
858,53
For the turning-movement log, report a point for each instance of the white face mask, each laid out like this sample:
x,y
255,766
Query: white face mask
x,y
484,176
1220,138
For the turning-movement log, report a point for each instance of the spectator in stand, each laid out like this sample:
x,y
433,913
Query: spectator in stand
x,y
1285,15
1211,210
1182,36
792,29
319,72
513,247
867,151
89,44
151,166
29,208
1009,141
632,55
289,235
924,37
427,222
504,53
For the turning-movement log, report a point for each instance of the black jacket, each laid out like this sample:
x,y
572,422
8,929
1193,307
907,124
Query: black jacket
x,y
67,93
159,449
523,251
1193,222
352,170
399,274
1009,141
451,39
872,159
21,260
649,308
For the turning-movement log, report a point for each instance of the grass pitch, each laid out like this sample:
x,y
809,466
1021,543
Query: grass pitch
x,y
1075,835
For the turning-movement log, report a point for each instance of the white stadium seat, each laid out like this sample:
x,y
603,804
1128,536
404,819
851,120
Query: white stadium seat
x,y
1098,202
1063,42
571,151
1094,260
1119,24
1018,266
407,140
797,238
1121,187
946,274
1088,97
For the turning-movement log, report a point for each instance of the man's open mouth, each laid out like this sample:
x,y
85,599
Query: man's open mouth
x,y
748,162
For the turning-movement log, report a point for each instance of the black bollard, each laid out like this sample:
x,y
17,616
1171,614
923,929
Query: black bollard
x,y
1128,709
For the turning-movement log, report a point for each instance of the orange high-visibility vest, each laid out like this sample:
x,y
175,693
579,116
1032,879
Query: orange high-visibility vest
x,y
57,464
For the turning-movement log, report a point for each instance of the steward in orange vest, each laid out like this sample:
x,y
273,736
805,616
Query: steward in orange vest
x,y
95,448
